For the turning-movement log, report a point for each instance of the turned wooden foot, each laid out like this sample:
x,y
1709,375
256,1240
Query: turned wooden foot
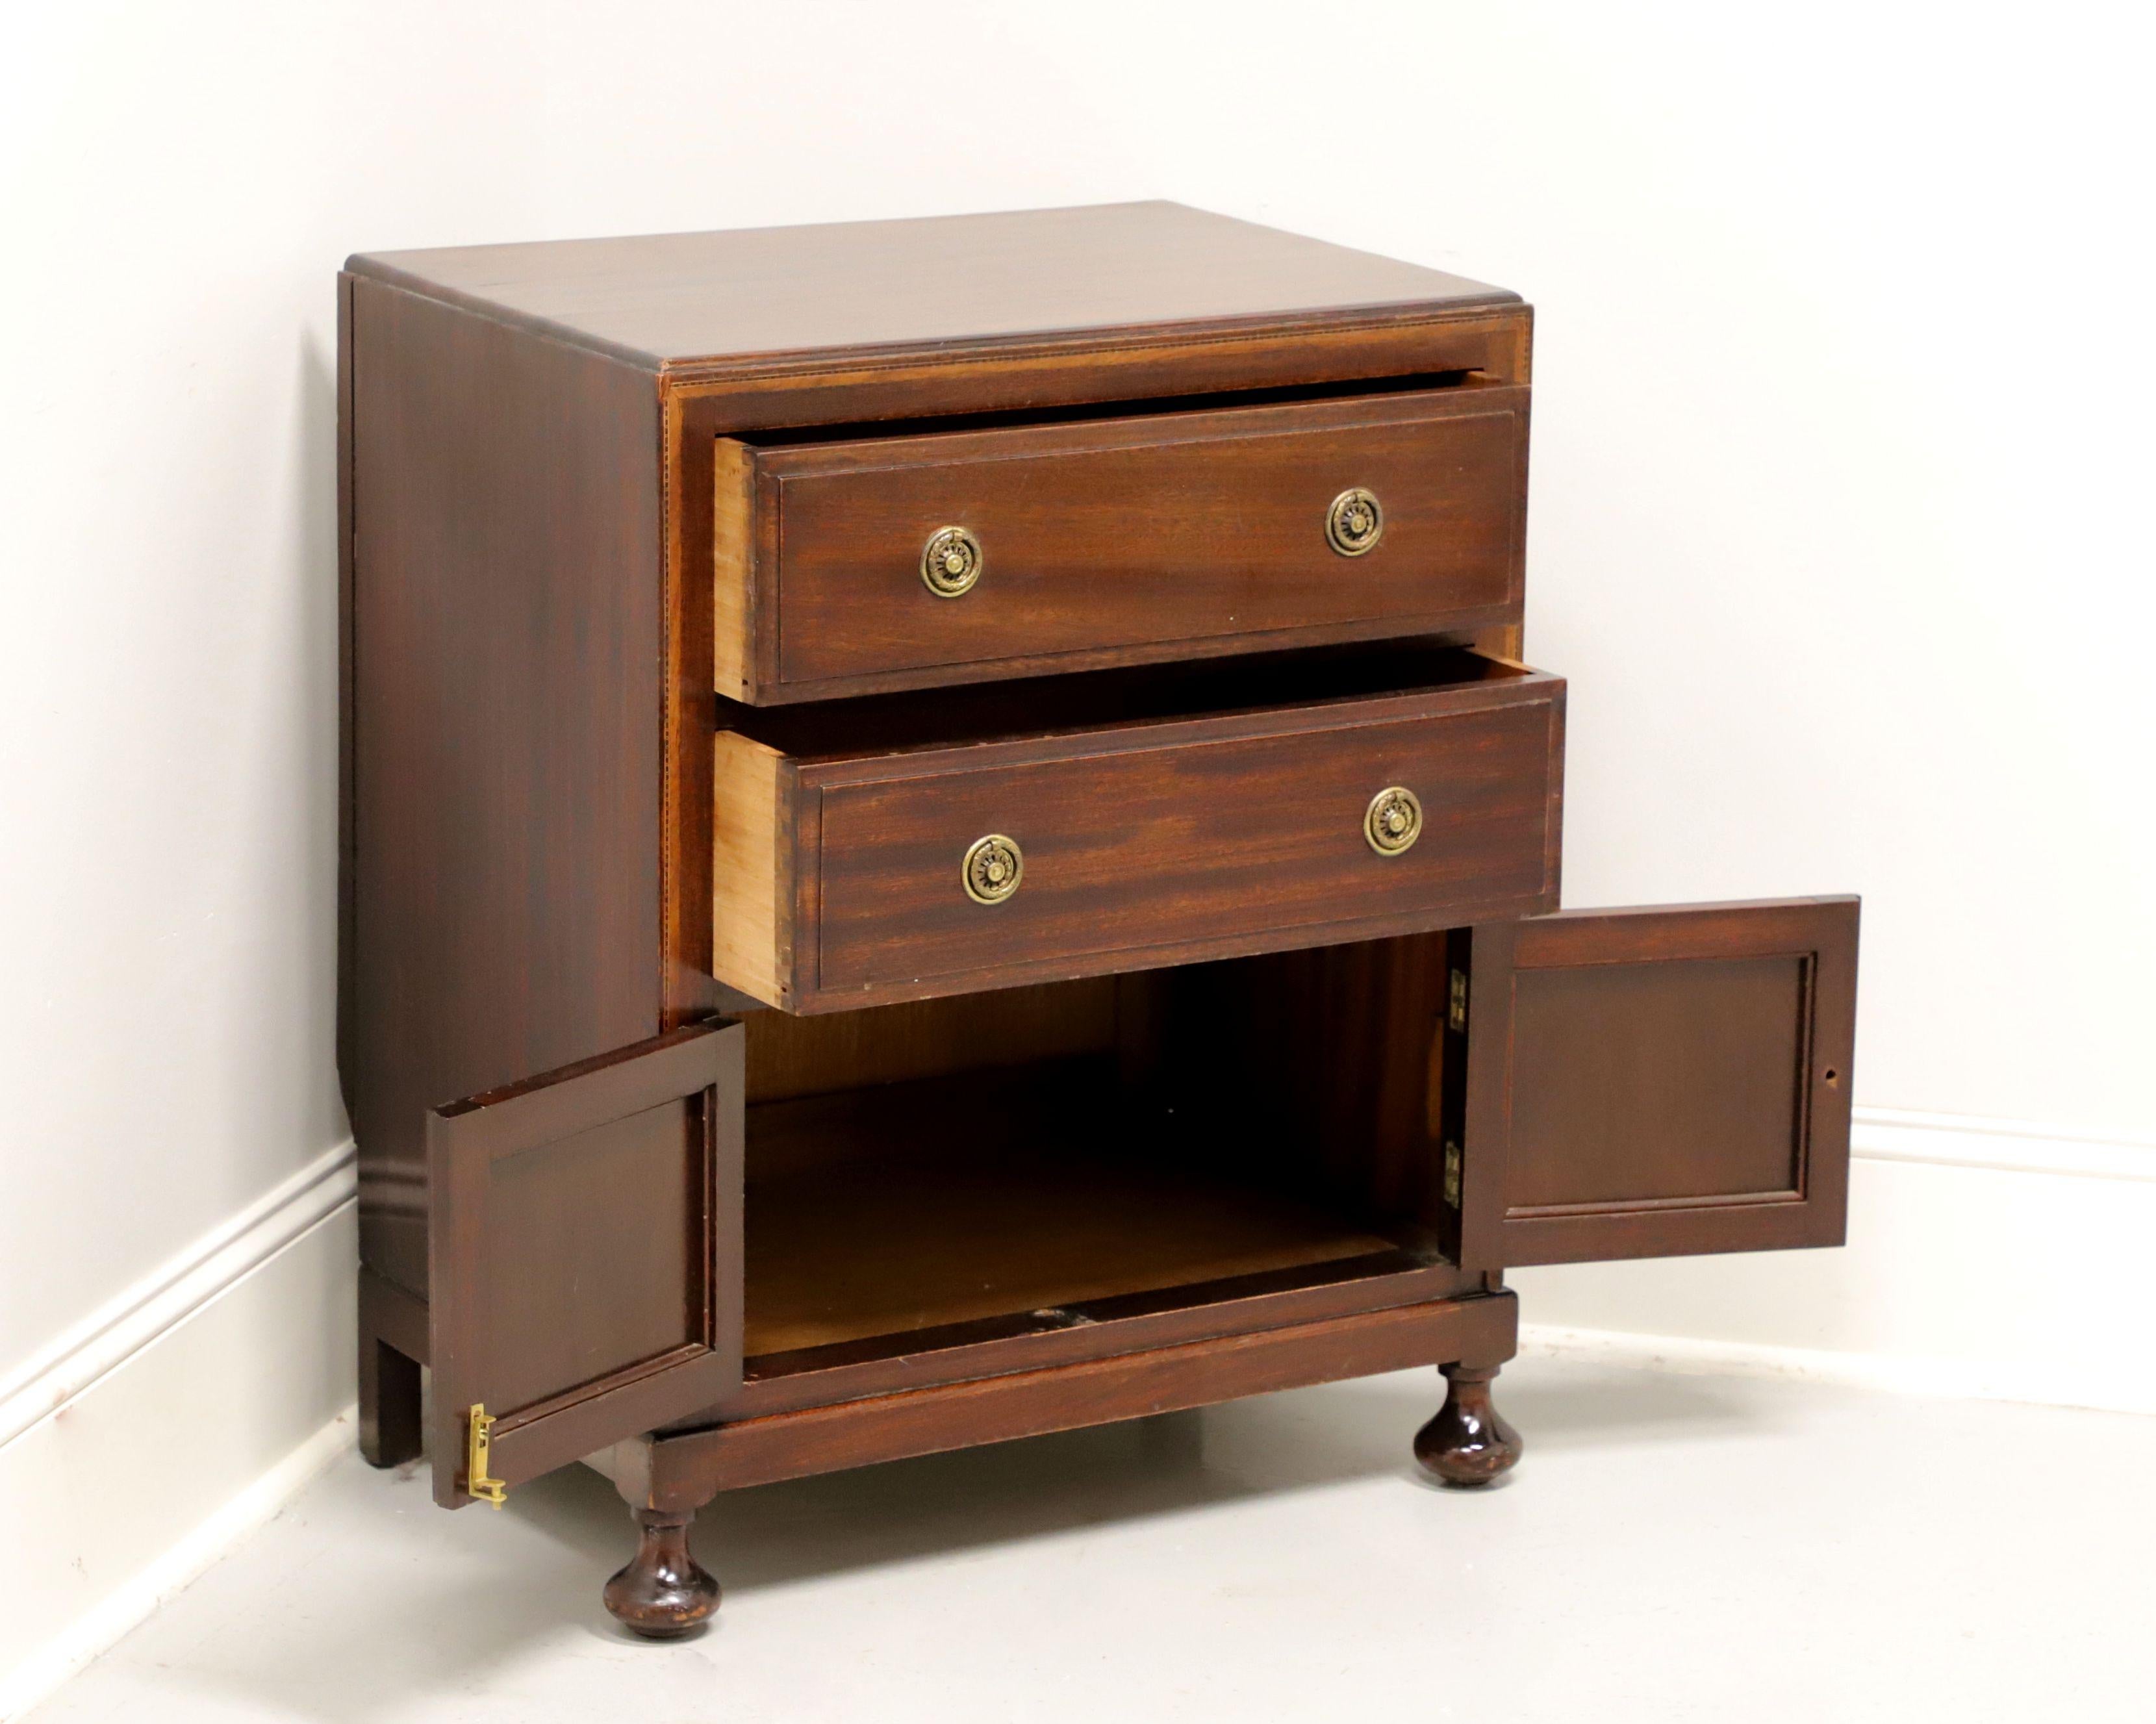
x,y
662,1591
389,1433
1467,1442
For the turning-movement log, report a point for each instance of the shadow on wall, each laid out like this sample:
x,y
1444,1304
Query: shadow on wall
x,y
315,553
276,1053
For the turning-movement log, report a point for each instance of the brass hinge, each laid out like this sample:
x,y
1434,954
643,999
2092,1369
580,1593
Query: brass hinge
x,y
476,1482
1456,1014
1451,1174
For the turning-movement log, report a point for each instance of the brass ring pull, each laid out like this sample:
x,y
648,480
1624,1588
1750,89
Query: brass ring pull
x,y
1355,522
951,562
1393,820
993,868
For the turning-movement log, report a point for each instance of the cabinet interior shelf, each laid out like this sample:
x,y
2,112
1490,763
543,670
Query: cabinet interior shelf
x,y
886,1213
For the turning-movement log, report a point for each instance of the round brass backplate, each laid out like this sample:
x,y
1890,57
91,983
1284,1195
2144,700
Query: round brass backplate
x,y
1355,522
993,868
1393,820
951,562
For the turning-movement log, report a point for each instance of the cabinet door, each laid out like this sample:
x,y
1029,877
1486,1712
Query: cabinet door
x,y
1651,1083
584,1254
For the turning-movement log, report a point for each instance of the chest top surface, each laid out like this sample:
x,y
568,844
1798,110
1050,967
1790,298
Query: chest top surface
x,y
866,287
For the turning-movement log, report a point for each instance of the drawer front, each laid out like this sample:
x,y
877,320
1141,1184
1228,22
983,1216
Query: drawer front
x,y
1136,850
1143,538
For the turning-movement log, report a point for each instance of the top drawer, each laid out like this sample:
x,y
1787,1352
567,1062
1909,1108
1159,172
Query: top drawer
x,y
1088,543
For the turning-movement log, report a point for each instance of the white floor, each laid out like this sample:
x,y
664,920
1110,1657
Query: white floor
x,y
1673,1547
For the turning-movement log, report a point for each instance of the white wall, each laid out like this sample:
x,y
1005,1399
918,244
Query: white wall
x,y
1841,470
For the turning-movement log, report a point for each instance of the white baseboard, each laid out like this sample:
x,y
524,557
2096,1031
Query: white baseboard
x,y
1989,1259
157,1433
80,1356
1955,1140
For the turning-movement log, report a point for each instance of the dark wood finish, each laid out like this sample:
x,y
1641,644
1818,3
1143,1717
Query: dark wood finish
x,y
662,1592
1327,1053
387,1311
1657,1082
504,638
1056,374
584,486
1234,832
585,1234
1468,1443
875,1213
1106,538
688,1470
789,1056
688,988
1177,302
347,1052
984,1217
392,1345
854,290
1085,1329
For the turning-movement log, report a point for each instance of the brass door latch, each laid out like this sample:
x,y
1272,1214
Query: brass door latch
x,y
477,1437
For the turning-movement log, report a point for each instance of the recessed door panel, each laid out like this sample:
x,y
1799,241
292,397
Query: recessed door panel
x,y
1656,1082
585,1243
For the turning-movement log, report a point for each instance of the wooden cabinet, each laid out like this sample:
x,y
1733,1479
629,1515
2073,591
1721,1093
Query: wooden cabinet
x,y
925,866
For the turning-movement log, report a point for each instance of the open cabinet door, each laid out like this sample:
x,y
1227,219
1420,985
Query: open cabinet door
x,y
1651,1083
584,1256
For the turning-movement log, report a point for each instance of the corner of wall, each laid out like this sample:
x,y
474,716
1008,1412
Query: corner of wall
x,y
148,1440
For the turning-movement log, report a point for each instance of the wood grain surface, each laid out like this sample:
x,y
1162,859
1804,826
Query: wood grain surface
x,y
1657,1082
854,288
1155,840
503,638
585,1244
1106,540
878,1211
688,1470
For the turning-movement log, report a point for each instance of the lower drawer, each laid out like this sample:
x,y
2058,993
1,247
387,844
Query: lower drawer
x,y
927,844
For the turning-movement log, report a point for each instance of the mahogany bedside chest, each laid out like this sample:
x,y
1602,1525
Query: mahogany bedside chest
x,y
945,836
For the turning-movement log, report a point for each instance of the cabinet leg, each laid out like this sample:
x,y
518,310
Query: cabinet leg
x,y
389,1434
662,1591
1468,1443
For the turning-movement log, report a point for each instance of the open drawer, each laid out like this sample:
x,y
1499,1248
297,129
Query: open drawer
x,y
912,846
852,563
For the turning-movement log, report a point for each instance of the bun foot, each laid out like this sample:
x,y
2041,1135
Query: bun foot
x,y
662,1592
1468,1443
